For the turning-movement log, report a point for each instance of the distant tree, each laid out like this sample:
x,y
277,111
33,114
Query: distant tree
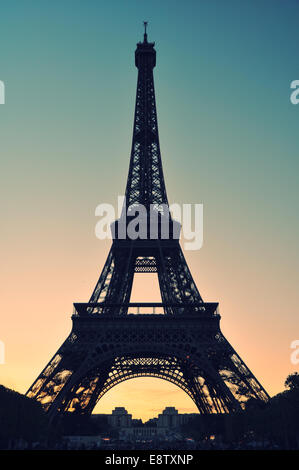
x,y
292,381
275,423
278,420
21,417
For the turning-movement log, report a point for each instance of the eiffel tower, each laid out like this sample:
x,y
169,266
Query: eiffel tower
x,y
111,339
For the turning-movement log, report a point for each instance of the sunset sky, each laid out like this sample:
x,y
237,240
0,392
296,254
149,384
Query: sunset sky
x,y
229,140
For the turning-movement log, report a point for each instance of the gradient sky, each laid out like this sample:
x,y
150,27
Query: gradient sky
x,y
229,140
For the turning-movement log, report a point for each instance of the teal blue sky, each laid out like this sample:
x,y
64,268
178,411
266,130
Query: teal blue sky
x,y
229,140
222,84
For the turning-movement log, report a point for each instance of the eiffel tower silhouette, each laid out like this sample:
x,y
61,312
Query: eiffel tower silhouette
x,y
108,343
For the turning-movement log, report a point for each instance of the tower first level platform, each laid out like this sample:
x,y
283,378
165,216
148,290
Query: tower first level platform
x,y
104,350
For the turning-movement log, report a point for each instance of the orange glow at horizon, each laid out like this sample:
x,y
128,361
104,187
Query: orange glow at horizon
x,y
145,398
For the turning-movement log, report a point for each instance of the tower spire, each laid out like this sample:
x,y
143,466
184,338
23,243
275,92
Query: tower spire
x,y
145,183
145,34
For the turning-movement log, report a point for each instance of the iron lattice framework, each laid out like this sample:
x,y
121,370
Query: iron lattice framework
x,y
113,340
145,183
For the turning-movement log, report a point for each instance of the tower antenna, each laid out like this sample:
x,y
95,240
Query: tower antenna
x,y
145,23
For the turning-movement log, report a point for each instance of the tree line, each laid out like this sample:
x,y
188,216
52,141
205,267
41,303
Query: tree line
x,y
275,423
